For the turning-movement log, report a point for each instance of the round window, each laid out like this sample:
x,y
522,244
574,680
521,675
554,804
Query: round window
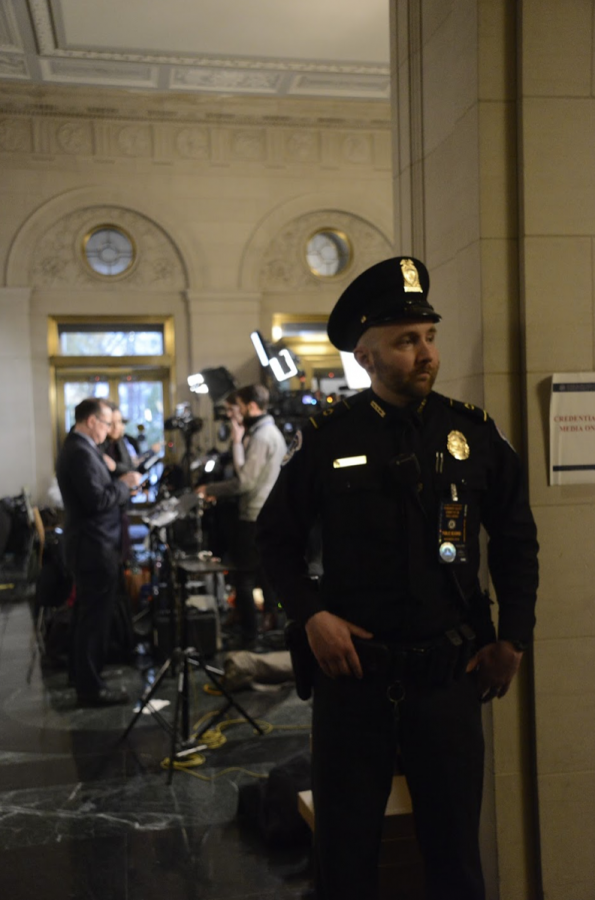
x,y
328,253
109,250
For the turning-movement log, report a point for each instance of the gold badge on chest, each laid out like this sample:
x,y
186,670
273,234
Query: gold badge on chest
x,y
457,445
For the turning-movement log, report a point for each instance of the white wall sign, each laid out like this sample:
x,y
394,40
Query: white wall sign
x,y
572,428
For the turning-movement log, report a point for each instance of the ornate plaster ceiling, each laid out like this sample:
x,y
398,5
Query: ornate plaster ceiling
x,y
277,48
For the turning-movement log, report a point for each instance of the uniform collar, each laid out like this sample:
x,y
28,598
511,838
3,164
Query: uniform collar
x,y
391,415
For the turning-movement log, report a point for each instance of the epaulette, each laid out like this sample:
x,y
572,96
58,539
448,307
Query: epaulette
x,y
333,413
475,412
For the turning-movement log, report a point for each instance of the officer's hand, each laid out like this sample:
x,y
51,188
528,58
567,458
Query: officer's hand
x,y
110,463
496,665
131,479
330,640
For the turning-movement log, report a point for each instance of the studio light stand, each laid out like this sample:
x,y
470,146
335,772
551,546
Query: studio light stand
x,y
183,659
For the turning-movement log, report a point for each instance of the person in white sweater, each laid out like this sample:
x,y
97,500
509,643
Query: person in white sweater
x,y
258,448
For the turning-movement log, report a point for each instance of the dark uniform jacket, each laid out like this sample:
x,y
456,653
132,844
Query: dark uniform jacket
x,y
92,502
381,483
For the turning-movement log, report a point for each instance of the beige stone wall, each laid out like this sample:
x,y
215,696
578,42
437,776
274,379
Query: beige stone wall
x,y
220,196
558,189
493,178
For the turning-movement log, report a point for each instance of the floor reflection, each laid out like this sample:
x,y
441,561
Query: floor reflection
x,y
85,815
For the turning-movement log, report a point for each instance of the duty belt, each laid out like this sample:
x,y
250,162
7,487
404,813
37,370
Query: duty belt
x,y
431,663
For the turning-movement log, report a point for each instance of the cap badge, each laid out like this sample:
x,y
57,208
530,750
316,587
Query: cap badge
x,y
410,277
457,445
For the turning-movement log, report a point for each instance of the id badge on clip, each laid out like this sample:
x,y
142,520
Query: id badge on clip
x,y
452,532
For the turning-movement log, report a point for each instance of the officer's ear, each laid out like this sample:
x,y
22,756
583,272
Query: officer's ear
x,y
363,356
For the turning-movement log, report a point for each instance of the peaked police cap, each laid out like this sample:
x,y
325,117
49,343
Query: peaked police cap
x,y
391,291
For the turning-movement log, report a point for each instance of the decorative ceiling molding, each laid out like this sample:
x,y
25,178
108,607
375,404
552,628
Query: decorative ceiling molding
x,y
223,80
10,38
54,63
13,67
75,71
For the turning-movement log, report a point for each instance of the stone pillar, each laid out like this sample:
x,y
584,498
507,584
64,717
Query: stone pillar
x,y
456,203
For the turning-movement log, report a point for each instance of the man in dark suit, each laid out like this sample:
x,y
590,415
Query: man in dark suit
x,y
93,504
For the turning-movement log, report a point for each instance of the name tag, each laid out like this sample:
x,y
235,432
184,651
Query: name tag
x,y
350,461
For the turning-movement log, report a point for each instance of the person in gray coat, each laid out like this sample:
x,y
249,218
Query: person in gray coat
x,y
258,448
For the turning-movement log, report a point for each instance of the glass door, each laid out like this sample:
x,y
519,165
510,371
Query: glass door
x,y
141,397
75,391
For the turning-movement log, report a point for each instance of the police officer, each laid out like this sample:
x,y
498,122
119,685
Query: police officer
x,y
400,479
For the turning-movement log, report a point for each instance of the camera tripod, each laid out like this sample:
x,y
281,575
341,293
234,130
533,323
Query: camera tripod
x,y
182,660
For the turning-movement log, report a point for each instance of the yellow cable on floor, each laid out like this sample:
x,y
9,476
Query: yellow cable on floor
x,y
214,738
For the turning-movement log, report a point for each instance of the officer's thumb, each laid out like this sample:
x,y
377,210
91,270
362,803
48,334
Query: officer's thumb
x,y
359,632
473,663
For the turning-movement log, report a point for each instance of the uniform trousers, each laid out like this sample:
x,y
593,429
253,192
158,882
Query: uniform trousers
x,y
96,578
356,736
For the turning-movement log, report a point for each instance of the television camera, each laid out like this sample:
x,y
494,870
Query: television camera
x,y
184,421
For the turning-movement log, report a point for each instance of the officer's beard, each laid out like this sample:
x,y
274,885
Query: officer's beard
x,y
404,387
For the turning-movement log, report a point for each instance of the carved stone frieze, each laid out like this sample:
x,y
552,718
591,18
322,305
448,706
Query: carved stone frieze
x,y
303,146
357,149
58,258
134,140
248,145
75,138
15,135
284,266
193,143
217,139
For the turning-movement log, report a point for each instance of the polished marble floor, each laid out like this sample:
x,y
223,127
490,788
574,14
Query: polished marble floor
x,y
86,816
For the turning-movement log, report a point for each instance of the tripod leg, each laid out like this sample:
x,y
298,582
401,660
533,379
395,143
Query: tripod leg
x,y
185,704
146,697
210,672
182,681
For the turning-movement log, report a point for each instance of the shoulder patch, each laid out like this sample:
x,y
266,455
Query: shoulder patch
x,y
474,412
332,413
504,438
